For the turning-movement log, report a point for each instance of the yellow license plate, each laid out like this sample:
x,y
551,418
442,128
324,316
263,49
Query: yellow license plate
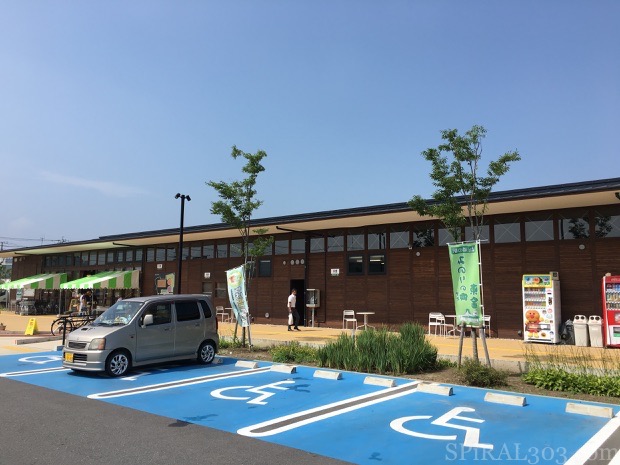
x,y
68,357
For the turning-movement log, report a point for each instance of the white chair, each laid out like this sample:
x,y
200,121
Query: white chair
x,y
437,321
487,324
348,316
220,312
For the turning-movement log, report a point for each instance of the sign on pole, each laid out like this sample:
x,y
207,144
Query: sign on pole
x,y
236,295
465,268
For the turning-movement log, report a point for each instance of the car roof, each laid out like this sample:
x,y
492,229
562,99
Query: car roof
x,y
167,297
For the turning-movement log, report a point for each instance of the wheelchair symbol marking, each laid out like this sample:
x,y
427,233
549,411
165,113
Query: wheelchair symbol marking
x,y
260,400
472,435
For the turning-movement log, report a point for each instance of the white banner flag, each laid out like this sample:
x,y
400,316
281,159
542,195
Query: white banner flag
x,y
236,295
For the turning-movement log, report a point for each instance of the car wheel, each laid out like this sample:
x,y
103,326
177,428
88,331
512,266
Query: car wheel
x,y
206,352
118,363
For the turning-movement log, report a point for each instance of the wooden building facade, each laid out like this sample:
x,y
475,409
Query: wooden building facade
x,y
383,259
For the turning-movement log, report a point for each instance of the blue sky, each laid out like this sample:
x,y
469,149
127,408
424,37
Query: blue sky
x,y
108,109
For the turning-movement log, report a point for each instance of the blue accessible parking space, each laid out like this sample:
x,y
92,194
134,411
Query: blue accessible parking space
x,y
350,417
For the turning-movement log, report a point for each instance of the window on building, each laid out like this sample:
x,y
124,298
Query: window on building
x,y
484,232
195,251
399,237
355,240
264,268
120,256
160,254
171,254
506,229
539,227
207,289
236,249
317,244
137,257
355,264
298,245
92,258
101,256
376,239
606,224
335,242
222,250
69,260
281,247
150,254
424,235
445,236
185,253
573,225
220,290
376,264
110,257
208,251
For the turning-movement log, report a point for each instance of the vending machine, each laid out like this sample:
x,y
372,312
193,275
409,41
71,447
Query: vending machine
x,y
611,311
541,308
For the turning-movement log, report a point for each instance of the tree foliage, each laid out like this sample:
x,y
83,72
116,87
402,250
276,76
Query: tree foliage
x,y
237,204
459,181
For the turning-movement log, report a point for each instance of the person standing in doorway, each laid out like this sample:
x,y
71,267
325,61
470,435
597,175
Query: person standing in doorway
x,y
86,302
292,311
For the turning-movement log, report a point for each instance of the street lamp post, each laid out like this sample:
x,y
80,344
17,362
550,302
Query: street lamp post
x,y
180,254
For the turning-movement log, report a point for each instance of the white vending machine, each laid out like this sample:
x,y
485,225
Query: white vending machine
x,y
541,308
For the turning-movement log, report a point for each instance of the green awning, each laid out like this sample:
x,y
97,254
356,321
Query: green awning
x,y
106,280
39,281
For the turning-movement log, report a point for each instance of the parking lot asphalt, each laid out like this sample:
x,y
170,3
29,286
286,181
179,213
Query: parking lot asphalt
x,y
281,406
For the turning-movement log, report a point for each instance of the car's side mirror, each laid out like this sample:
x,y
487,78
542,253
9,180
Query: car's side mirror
x,y
148,320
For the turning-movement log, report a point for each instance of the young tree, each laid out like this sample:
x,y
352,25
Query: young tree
x,y
459,181
237,204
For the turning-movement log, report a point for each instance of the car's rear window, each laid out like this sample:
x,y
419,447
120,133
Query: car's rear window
x,y
206,309
187,310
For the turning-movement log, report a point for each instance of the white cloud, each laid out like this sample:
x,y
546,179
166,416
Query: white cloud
x,y
109,189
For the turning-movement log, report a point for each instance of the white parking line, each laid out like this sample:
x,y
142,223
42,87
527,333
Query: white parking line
x,y
305,417
590,448
32,372
175,384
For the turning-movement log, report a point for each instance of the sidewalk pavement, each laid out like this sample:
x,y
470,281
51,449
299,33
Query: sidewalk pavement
x,y
507,354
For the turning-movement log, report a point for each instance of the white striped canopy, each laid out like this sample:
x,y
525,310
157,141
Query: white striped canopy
x,y
39,281
106,280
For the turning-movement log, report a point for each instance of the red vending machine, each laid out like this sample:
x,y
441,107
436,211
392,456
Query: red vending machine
x,y
611,311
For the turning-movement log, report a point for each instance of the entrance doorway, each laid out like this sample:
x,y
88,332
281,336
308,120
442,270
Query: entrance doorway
x,y
300,305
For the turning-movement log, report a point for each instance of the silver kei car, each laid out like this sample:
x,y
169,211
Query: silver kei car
x,y
142,331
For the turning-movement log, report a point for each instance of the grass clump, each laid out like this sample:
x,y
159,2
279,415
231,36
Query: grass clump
x,y
293,352
381,351
575,370
230,343
474,373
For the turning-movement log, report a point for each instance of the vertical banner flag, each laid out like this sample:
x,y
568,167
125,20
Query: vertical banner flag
x,y
236,295
464,265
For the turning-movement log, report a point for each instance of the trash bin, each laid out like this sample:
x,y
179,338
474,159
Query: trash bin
x,y
595,329
568,333
580,323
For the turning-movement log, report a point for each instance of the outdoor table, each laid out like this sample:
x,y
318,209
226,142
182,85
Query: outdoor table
x,y
365,325
312,309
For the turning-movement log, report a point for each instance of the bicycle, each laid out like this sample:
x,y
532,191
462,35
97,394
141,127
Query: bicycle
x,y
66,324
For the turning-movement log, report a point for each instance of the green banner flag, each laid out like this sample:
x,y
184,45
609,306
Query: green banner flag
x,y
464,265
236,294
